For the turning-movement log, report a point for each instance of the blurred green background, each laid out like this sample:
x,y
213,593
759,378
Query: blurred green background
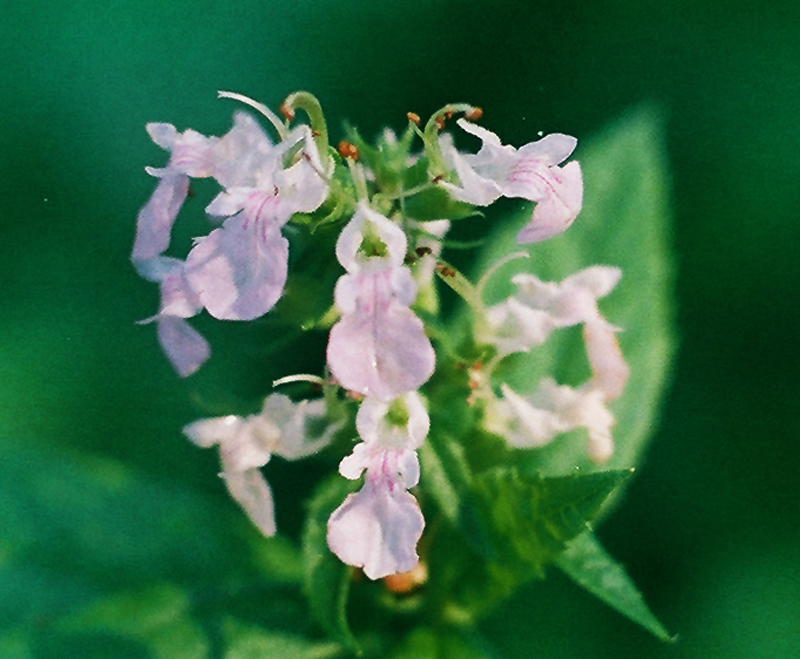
x,y
710,528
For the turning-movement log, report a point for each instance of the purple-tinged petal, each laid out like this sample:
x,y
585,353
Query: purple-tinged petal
x,y
240,269
610,371
384,354
254,495
184,346
377,529
550,150
154,224
243,154
558,208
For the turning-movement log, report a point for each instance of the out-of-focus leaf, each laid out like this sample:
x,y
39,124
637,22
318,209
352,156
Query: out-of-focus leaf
x,y
587,564
243,642
99,561
327,578
447,478
158,619
442,643
624,223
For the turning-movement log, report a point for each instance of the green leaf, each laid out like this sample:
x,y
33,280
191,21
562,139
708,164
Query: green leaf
x,y
531,518
245,642
156,618
587,564
442,643
527,521
625,222
327,579
446,476
98,561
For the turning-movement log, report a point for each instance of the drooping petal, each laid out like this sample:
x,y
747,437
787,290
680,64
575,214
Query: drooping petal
x,y
384,354
183,345
155,220
254,495
240,269
377,529
610,371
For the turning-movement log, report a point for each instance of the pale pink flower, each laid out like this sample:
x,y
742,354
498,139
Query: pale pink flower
x,y
379,347
284,428
534,420
531,172
377,528
184,346
526,319
239,270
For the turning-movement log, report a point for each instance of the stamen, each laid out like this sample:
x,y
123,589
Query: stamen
x,y
263,109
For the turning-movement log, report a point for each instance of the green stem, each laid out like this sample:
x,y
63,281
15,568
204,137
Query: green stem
x,y
430,135
311,106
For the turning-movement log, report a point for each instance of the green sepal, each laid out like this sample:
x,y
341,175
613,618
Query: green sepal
x,y
587,564
327,579
436,203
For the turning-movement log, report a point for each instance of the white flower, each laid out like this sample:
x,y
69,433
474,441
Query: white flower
x,y
379,347
238,271
534,420
526,319
378,527
531,172
284,428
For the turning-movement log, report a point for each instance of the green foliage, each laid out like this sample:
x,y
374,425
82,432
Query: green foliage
x,y
99,561
327,579
442,643
588,564
254,643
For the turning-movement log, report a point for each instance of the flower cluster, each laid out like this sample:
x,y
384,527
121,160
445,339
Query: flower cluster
x,y
392,210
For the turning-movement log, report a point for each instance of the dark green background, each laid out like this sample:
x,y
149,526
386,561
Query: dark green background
x,y
710,527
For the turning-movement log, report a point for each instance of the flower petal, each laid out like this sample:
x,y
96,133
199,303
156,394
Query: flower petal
x,y
184,346
558,207
254,495
384,354
610,371
377,529
155,220
239,270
